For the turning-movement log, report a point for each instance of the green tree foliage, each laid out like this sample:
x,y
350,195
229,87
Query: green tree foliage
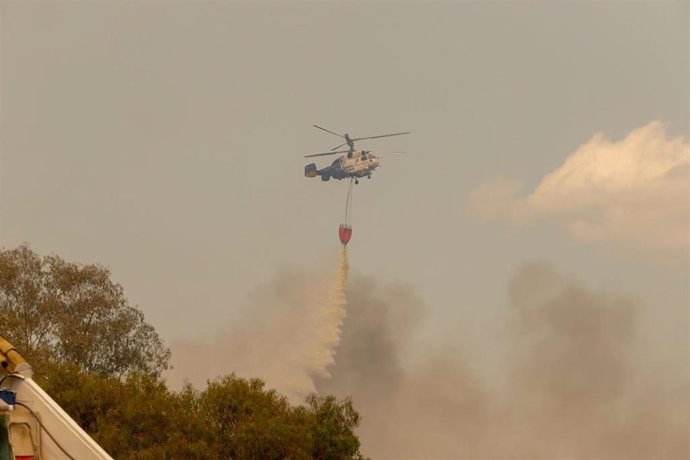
x,y
138,417
251,422
333,428
56,310
135,417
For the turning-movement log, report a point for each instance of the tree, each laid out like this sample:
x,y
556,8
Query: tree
x,y
138,417
251,422
57,310
134,417
333,428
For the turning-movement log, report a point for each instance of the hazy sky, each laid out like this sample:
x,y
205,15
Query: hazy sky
x,y
166,141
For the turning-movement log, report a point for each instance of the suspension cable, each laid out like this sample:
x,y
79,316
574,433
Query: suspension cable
x,y
349,211
348,203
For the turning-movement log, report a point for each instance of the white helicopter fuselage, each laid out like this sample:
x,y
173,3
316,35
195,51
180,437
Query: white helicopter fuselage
x,y
360,164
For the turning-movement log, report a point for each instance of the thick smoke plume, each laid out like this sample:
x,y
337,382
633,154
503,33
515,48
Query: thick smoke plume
x,y
571,386
286,337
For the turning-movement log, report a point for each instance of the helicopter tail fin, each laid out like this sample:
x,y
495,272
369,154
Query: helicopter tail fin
x,y
310,170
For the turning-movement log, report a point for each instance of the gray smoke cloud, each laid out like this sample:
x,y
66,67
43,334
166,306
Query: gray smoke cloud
x,y
573,385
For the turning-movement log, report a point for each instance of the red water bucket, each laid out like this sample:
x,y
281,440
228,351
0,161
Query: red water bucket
x,y
345,233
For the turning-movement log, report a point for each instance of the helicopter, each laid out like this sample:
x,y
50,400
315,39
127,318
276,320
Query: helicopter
x,y
353,164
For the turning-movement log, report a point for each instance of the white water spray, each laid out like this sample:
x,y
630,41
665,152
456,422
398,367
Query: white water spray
x,y
287,336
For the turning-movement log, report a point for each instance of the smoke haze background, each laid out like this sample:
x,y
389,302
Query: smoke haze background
x,y
166,140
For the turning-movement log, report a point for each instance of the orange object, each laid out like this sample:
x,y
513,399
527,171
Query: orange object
x,y
345,233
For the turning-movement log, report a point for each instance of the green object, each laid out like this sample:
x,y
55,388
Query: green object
x,y
4,438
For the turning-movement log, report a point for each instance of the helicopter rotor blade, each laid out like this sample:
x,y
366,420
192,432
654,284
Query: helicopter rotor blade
x,y
396,152
345,143
383,135
324,129
326,153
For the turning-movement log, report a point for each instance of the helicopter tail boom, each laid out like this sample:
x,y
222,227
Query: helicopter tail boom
x,y
311,171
